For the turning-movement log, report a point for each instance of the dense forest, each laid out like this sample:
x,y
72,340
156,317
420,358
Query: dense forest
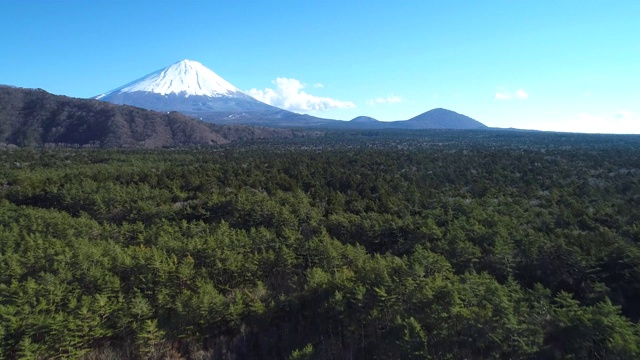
x,y
376,245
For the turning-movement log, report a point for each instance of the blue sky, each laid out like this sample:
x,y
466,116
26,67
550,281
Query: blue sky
x,y
549,65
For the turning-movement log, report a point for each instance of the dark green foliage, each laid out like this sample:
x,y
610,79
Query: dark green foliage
x,y
489,247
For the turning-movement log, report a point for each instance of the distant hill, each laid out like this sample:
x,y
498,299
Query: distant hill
x,y
35,117
432,119
363,120
440,119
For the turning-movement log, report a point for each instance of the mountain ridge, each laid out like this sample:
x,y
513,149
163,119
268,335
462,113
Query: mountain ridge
x,y
34,117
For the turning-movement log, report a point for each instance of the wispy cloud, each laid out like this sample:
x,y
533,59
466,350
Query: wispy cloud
x,y
318,85
389,99
508,95
288,94
521,94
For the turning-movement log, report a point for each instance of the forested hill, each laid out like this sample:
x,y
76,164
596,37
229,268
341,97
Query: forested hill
x,y
34,118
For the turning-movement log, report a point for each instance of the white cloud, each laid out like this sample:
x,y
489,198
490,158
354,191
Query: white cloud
x,y
389,99
521,94
289,95
318,85
507,95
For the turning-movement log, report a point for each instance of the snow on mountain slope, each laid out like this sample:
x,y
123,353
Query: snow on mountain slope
x,y
186,77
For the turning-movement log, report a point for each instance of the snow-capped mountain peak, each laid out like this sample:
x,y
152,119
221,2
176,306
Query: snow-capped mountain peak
x,y
187,87
186,77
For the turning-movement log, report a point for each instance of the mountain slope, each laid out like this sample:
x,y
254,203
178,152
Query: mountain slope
x,y
34,117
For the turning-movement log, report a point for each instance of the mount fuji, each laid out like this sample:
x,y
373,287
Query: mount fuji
x,y
194,90
185,77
